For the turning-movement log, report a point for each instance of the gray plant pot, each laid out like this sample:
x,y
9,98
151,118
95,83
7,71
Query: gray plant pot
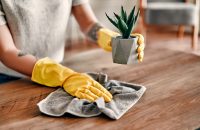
x,y
124,50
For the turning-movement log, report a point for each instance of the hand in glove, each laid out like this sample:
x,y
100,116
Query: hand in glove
x,y
49,73
105,36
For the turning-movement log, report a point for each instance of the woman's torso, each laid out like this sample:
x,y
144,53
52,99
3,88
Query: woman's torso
x,y
38,27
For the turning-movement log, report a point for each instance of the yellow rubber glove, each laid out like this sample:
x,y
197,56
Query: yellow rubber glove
x,y
141,46
105,36
48,72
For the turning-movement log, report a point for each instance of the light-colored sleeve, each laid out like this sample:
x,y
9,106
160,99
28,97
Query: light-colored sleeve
x,y
78,2
2,16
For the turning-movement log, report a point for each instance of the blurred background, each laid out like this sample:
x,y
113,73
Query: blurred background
x,y
172,24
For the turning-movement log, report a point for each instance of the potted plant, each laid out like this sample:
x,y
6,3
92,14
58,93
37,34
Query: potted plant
x,y
124,46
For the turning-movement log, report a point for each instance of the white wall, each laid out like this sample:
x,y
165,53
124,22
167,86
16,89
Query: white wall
x,y
110,6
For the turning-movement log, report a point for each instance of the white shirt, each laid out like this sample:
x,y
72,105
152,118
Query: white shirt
x,y
38,27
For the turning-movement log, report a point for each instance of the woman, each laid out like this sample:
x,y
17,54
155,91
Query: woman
x,y
34,29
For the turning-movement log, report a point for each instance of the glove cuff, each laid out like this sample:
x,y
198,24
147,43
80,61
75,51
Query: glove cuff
x,y
104,38
48,72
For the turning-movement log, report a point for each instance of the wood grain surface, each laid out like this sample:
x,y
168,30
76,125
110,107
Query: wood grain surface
x,y
171,101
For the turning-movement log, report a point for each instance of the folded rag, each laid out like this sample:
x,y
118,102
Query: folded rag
x,y
125,95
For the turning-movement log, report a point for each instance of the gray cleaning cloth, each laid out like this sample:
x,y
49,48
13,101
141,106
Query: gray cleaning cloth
x,y
125,95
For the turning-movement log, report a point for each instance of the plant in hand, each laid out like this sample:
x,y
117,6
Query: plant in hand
x,y
125,24
124,47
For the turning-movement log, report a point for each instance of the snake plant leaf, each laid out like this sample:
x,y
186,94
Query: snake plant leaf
x,y
117,16
124,23
123,14
136,17
112,21
121,25
131,15
130,28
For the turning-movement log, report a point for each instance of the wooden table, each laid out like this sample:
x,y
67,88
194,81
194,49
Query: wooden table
x,y
171,101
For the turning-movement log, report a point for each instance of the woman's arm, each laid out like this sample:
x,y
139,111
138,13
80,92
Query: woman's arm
x,y
87,21
11,56
84,16
52,74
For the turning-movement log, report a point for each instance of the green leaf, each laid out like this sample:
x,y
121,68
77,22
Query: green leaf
x,y
112,21
123,14
136,17
117,16
121,25
131,15
130,28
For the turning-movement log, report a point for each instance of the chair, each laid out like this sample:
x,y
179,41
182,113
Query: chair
x,y
172,12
